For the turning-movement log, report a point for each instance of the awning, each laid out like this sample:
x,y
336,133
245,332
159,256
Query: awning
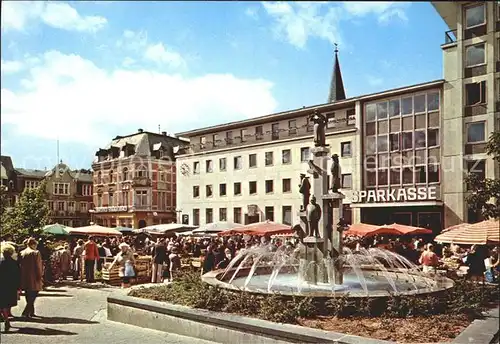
x,y
260,229
366,230
164,229
408,230
481,233
216,227
95,230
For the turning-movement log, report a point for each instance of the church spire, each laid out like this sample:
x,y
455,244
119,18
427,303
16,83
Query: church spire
x,y
337,91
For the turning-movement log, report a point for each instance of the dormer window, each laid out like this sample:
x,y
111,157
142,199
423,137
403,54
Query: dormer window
x,y
141,172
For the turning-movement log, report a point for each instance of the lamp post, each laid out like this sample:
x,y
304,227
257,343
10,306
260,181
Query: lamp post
x,y
178,211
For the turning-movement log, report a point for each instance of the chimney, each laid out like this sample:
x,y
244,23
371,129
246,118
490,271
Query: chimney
x,y
140,130
164,133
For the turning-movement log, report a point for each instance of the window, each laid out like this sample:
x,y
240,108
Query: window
x,y
287,185
237,215
222,214
60,206
382,110
419,103
395,176
269,212
209,166
252,187
196,167
370,145
83,207
420,175
420,139
407,175
475,55
286,156
243,134
477,167
371,111
432,137
222,190
99,200
330,120
287,215
125,198
394,108
475,93
407,106
237,188
196,191
394,142
209,190
31,184
433,171
475,16
432,101
141,198
111,176
382,143
99,177
222,164
275,128
203,141
238,163
407,140
209,215
125,174
475,132
196,217
259,132
304,154
61,188
269,158
111,199
347,181
141,172
345,149
351,116
371,178
229,137
252,160
269,186
215,139
292,127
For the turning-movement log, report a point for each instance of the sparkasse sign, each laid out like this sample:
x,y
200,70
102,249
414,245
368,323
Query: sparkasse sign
x,y
421,193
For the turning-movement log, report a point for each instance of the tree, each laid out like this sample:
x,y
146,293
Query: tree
x,y
484,194
29,213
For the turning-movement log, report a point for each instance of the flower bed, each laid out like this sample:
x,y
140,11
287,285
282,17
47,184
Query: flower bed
x,y
398,318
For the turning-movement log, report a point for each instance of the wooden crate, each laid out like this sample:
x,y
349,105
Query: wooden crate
x,y
142,269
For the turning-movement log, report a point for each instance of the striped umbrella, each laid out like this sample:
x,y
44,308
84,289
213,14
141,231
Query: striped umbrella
x,y
481,233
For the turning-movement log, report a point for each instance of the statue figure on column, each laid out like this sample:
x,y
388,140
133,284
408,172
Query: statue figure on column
x,y
335,169
313,216
305,190
319,121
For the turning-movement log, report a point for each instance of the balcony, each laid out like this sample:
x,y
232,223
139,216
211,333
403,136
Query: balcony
x,y
141,181
450,37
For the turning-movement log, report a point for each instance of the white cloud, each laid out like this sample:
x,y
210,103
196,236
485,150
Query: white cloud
x,y
375,81
132,40
11,67
72,98
252,12
17,15
297,22
128,62
161,56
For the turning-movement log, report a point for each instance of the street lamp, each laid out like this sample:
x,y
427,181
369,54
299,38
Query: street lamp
x,y
178,211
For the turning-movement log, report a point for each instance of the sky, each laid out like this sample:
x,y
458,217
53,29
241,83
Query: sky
x,y
81,73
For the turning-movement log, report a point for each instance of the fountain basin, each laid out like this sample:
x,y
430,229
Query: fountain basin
x,y
288,283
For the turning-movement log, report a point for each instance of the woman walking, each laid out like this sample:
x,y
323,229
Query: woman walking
x,y
31,275
125,260
9,287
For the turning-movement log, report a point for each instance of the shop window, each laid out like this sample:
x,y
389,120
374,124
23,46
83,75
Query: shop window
x,y
475,93
252,187
475,16
476,132
370,128
383,160
269,212
430,221
475,55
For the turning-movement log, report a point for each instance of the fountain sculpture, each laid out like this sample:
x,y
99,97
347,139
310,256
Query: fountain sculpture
x,y
320,265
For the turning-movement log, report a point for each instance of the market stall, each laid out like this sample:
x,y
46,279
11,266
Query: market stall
x,y
169,229
142,272
213,229
481,233
94,230
266,228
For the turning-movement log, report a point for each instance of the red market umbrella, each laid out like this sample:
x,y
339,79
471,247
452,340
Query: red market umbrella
x,y
454,227
408,230
260,229
366,230
481,233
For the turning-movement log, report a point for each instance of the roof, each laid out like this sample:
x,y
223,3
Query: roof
x,y
6,162
337,91
80,175
30,173
306,110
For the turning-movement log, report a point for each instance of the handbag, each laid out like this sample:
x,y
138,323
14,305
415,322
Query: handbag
x,y
129,270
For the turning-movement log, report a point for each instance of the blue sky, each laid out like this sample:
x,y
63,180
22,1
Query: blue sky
x,y
84,72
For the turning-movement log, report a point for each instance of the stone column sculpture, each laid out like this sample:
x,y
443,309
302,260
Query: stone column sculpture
x,y
313,211
335,169
305,190
319,121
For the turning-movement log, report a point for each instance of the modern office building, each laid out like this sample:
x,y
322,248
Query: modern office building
x,y
135,181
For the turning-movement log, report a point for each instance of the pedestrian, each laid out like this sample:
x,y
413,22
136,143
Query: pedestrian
x,y
429,260
77,260
11,282
158,257
91,253
175,263
125,259
31,276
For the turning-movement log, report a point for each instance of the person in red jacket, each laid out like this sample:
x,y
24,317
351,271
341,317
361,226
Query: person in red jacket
x,y
91,253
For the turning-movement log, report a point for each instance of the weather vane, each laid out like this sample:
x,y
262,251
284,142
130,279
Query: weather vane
x,y
336,47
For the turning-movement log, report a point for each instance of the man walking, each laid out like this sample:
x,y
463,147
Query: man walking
x,y
158,256
91,255
31,275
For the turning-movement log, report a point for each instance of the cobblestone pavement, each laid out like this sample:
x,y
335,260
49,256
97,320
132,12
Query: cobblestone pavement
x,y
75,315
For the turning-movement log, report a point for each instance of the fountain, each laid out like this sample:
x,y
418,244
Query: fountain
x,y
320,266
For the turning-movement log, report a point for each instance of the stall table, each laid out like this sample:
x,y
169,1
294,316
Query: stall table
x,y
142,270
